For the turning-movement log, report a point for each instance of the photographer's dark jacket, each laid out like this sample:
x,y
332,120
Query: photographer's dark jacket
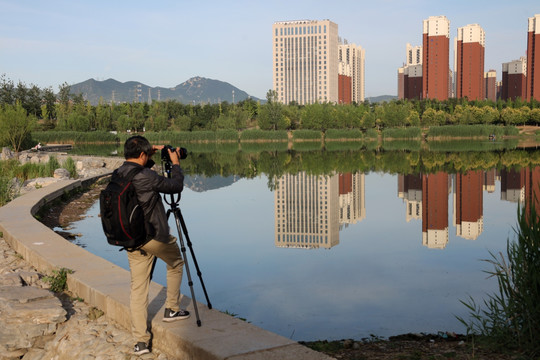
x,y
148,184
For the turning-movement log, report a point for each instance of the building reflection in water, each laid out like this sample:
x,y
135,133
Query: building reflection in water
x,y
310,210
468,211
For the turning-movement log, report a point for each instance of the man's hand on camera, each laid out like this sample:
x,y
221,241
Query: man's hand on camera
x,y
155,149
175,159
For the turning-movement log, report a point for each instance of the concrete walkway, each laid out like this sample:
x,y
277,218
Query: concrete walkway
x,y
106,286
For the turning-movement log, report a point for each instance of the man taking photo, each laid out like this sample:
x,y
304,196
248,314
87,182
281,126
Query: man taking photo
x,y
161,244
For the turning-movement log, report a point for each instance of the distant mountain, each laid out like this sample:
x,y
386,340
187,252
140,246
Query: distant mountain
x,y
195,90
201,183
381,98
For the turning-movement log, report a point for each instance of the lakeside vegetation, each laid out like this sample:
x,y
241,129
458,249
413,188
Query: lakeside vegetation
x,y
13,174
510,317
29,110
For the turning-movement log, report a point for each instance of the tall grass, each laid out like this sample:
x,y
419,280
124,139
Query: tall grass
x,y
176,138
511,316
344,145
258,147
402,145
307,146
70,166
8,188
343,134
256,134
402,133
11,169
307,135
372,134
70,137
471,145
471,131
31,171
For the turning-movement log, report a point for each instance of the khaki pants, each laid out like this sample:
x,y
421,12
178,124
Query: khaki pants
x,y
141,265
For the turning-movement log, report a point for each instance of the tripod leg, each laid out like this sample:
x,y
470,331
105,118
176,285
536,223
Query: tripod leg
x,y
184,229
183,249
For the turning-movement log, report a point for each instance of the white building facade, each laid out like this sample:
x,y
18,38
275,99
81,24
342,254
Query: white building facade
x,y
305,61
352,60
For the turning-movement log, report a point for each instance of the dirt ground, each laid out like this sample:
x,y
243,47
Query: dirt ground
x,y
413,347
403,347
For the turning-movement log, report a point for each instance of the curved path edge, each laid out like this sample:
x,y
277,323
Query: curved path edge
x,y
106,286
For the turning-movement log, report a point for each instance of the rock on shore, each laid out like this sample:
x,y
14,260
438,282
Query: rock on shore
x,y
37,324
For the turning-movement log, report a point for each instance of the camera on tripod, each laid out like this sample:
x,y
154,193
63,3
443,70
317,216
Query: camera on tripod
x,y
165,157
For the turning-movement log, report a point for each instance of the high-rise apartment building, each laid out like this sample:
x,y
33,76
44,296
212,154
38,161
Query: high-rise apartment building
x,y
468,204
352,198
436,54
514,76
410,190
490,85
435,190
469,49
351,66
305,61
533,59
413,81
411,74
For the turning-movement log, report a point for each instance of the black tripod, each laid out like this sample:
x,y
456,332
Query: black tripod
x,y
173,202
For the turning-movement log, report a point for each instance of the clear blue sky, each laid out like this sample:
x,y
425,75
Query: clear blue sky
x,y
164,43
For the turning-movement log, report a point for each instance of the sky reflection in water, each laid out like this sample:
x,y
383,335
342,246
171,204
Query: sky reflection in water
x,y
380,279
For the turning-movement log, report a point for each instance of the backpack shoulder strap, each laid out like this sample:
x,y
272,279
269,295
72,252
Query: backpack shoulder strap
x,y
129,176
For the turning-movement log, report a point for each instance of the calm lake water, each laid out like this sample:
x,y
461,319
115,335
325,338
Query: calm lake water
x,y
343,256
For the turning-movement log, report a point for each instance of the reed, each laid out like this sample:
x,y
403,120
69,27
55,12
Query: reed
x,y
70,137
471,131
256,134
402,145
402,133
307,135
254,148
344,134
510,317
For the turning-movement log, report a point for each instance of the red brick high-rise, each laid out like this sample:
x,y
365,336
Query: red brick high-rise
x,y
469,62
468,204
533,59
435,63
435,210
344,89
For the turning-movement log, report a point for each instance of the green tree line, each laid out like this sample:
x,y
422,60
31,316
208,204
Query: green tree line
x,y
64,111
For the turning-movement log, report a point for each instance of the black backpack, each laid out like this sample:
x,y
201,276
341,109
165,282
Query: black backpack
x,y
122,217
